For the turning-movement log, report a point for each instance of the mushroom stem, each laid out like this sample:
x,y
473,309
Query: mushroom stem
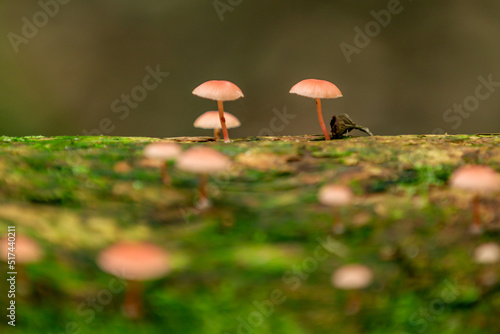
x,y
217,134
338,225
354,302
165,175
321,121
476,214
132,305
23,284
223,121
203,201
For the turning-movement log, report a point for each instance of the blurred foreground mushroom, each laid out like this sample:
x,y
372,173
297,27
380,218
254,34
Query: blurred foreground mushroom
x,y
219,91
487,253
479,180
203,161
163,152
317,89
335,196
352,277
134,262
211,120
25,250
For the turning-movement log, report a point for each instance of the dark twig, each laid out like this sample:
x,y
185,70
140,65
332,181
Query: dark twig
x,y
342,124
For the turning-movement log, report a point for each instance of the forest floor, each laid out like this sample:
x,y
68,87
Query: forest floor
x,y
78,195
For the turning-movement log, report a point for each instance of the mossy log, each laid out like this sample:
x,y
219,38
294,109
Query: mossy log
x,y
257,261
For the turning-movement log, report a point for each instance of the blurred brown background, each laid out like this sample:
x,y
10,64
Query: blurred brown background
x,y
64,79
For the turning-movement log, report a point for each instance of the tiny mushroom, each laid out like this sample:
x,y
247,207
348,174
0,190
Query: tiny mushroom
x,y
317,89
26,250
163,152
220,91
203,161
211,120
135,262
336,196
487,253
352,277
479,180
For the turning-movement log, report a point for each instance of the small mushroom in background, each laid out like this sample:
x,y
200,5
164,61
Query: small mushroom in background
x,y
135,262
163,152
479,180
203,161
335,196
352,277
317,89
487,253
26,251
122,167
211,120
219,91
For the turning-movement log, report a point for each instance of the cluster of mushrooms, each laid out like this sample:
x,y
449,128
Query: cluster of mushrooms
x,y
223,91
477,180
200,160
136,262
141,261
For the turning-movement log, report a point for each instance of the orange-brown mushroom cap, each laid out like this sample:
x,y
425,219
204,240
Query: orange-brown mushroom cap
x,y
134,261
218,90
318,89
211,120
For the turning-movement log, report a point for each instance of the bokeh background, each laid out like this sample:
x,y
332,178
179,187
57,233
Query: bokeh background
x,y
64,80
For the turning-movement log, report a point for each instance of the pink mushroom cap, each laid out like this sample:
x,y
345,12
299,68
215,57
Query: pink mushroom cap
x,y
135,261
352,277
476,178
203,160
218,90
162,151
211,120
26,250
335,195
487,253
317,89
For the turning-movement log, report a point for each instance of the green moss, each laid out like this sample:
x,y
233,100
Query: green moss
x,y
405,223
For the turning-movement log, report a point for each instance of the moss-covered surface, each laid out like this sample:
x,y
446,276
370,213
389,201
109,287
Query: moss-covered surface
x,y
77,195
